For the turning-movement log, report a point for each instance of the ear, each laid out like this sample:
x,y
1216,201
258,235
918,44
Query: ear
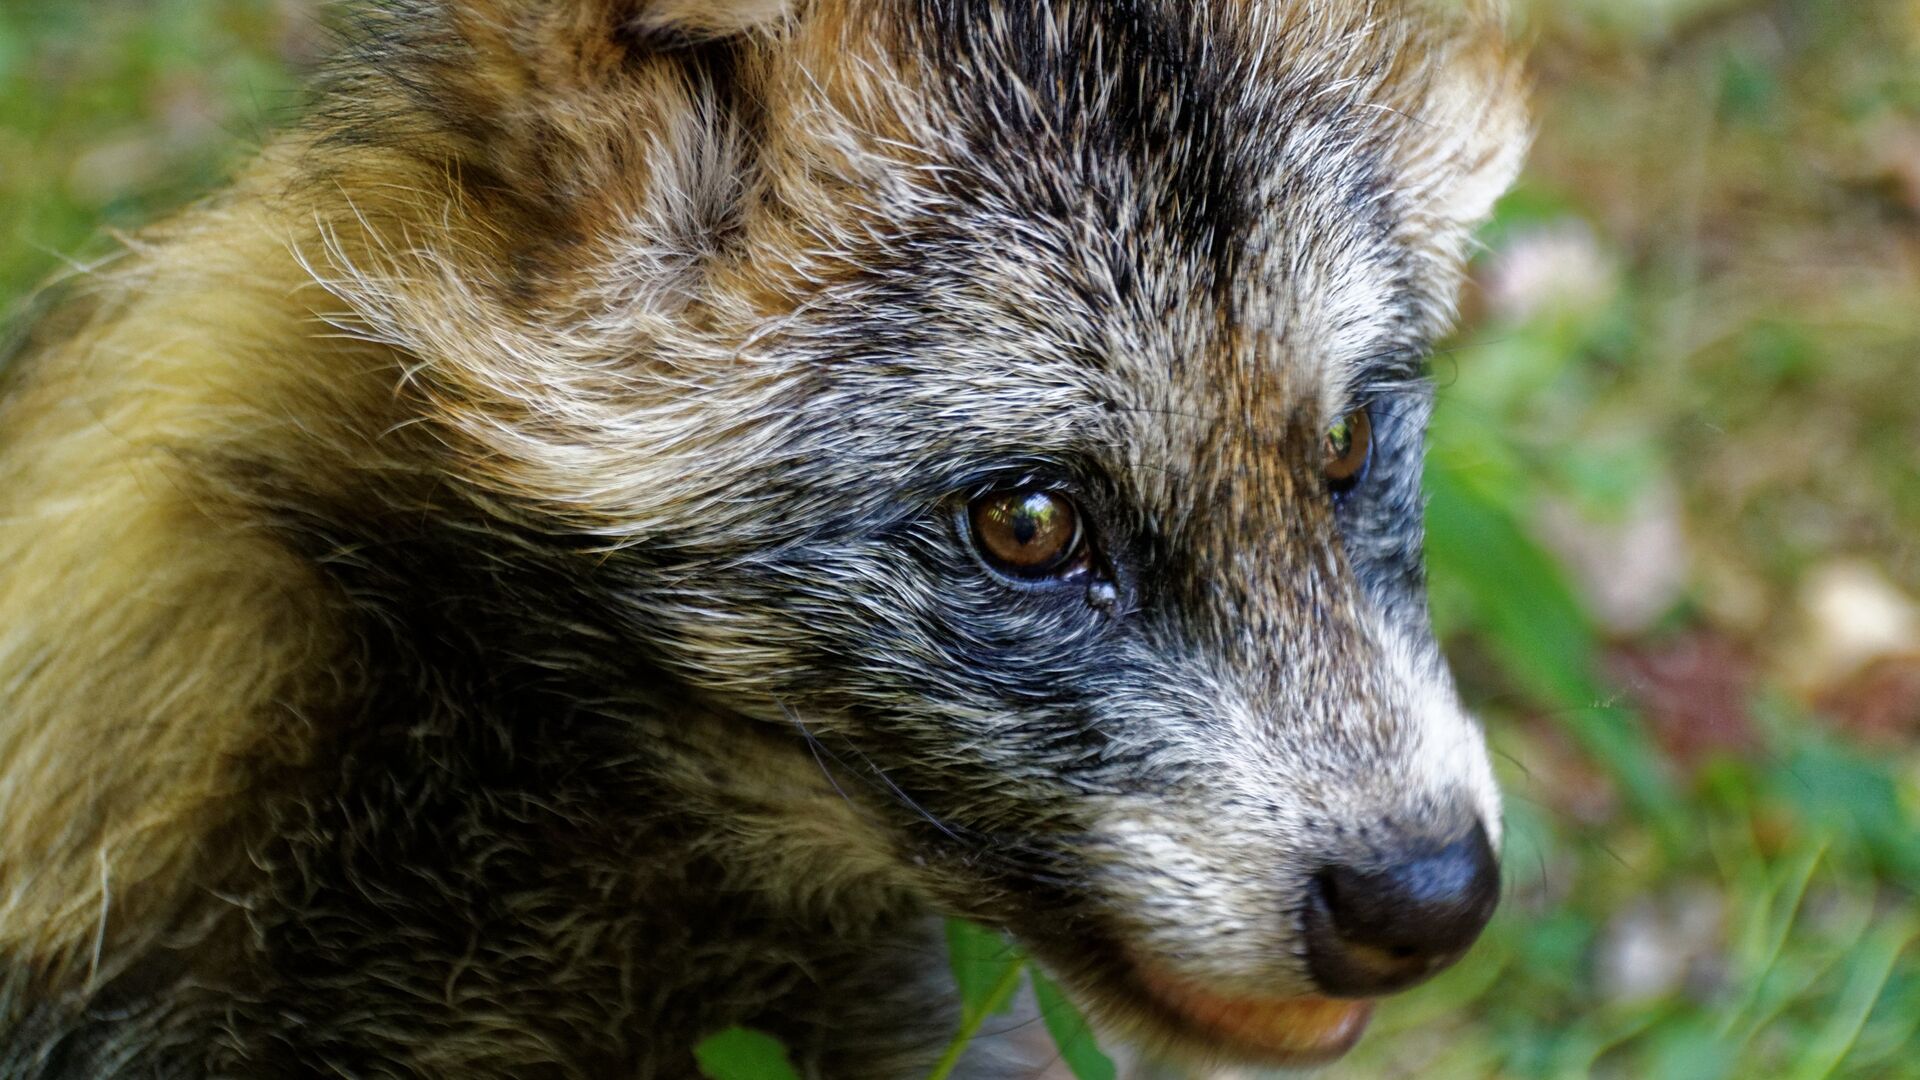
x,y
1479,103
524,198
1462,132
1472,131
528,88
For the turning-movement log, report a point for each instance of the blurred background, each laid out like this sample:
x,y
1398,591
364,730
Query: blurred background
x,y
1675,521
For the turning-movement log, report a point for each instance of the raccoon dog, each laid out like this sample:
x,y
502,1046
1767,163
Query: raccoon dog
x,y
635,509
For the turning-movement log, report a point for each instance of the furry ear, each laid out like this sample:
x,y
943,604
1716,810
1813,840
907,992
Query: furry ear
x,y
1473,131
484,70
563,111
1480,95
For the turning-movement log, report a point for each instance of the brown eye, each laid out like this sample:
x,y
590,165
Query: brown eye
x,y
1026,533
1349,445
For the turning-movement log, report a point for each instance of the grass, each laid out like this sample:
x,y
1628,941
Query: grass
x,y
1676,470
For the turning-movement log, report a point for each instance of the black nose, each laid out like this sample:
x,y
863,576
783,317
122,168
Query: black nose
x,y
1374,931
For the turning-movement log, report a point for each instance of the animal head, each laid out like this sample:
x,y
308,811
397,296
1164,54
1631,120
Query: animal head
x,y
1019,400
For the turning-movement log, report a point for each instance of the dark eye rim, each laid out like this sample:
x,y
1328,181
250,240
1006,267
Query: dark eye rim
x,y
1074,566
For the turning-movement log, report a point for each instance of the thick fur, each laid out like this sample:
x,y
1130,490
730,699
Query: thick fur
x,y
485,595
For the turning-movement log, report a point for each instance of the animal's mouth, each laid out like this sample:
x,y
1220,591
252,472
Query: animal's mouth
x,y
1281,1031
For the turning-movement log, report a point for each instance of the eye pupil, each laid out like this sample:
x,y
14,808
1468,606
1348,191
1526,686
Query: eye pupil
x,y
1028,533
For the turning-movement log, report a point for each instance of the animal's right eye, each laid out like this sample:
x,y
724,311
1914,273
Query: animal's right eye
x,y
1349,450
1028,532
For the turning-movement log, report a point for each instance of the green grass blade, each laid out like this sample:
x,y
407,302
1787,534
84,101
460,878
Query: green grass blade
x,y
1868,969
1771,927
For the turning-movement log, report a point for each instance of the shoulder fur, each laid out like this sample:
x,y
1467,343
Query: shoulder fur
x,y
156,651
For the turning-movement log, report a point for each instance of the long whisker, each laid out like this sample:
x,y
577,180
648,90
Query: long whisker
x,y
816,748
907,800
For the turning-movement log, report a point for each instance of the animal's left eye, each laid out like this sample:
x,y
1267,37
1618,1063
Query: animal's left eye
x,y
1349,450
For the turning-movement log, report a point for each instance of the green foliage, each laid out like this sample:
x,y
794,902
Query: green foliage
x,y
1521,605
1071,1032
984,964
114,111
987,968
743,1054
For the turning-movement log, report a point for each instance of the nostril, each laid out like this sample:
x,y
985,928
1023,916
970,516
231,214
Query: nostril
x,y
1375,930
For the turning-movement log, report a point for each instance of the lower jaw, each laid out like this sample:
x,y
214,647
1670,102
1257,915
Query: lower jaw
x,y
1286,1032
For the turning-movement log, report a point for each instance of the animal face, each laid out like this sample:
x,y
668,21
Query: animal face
x,y
1022,403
